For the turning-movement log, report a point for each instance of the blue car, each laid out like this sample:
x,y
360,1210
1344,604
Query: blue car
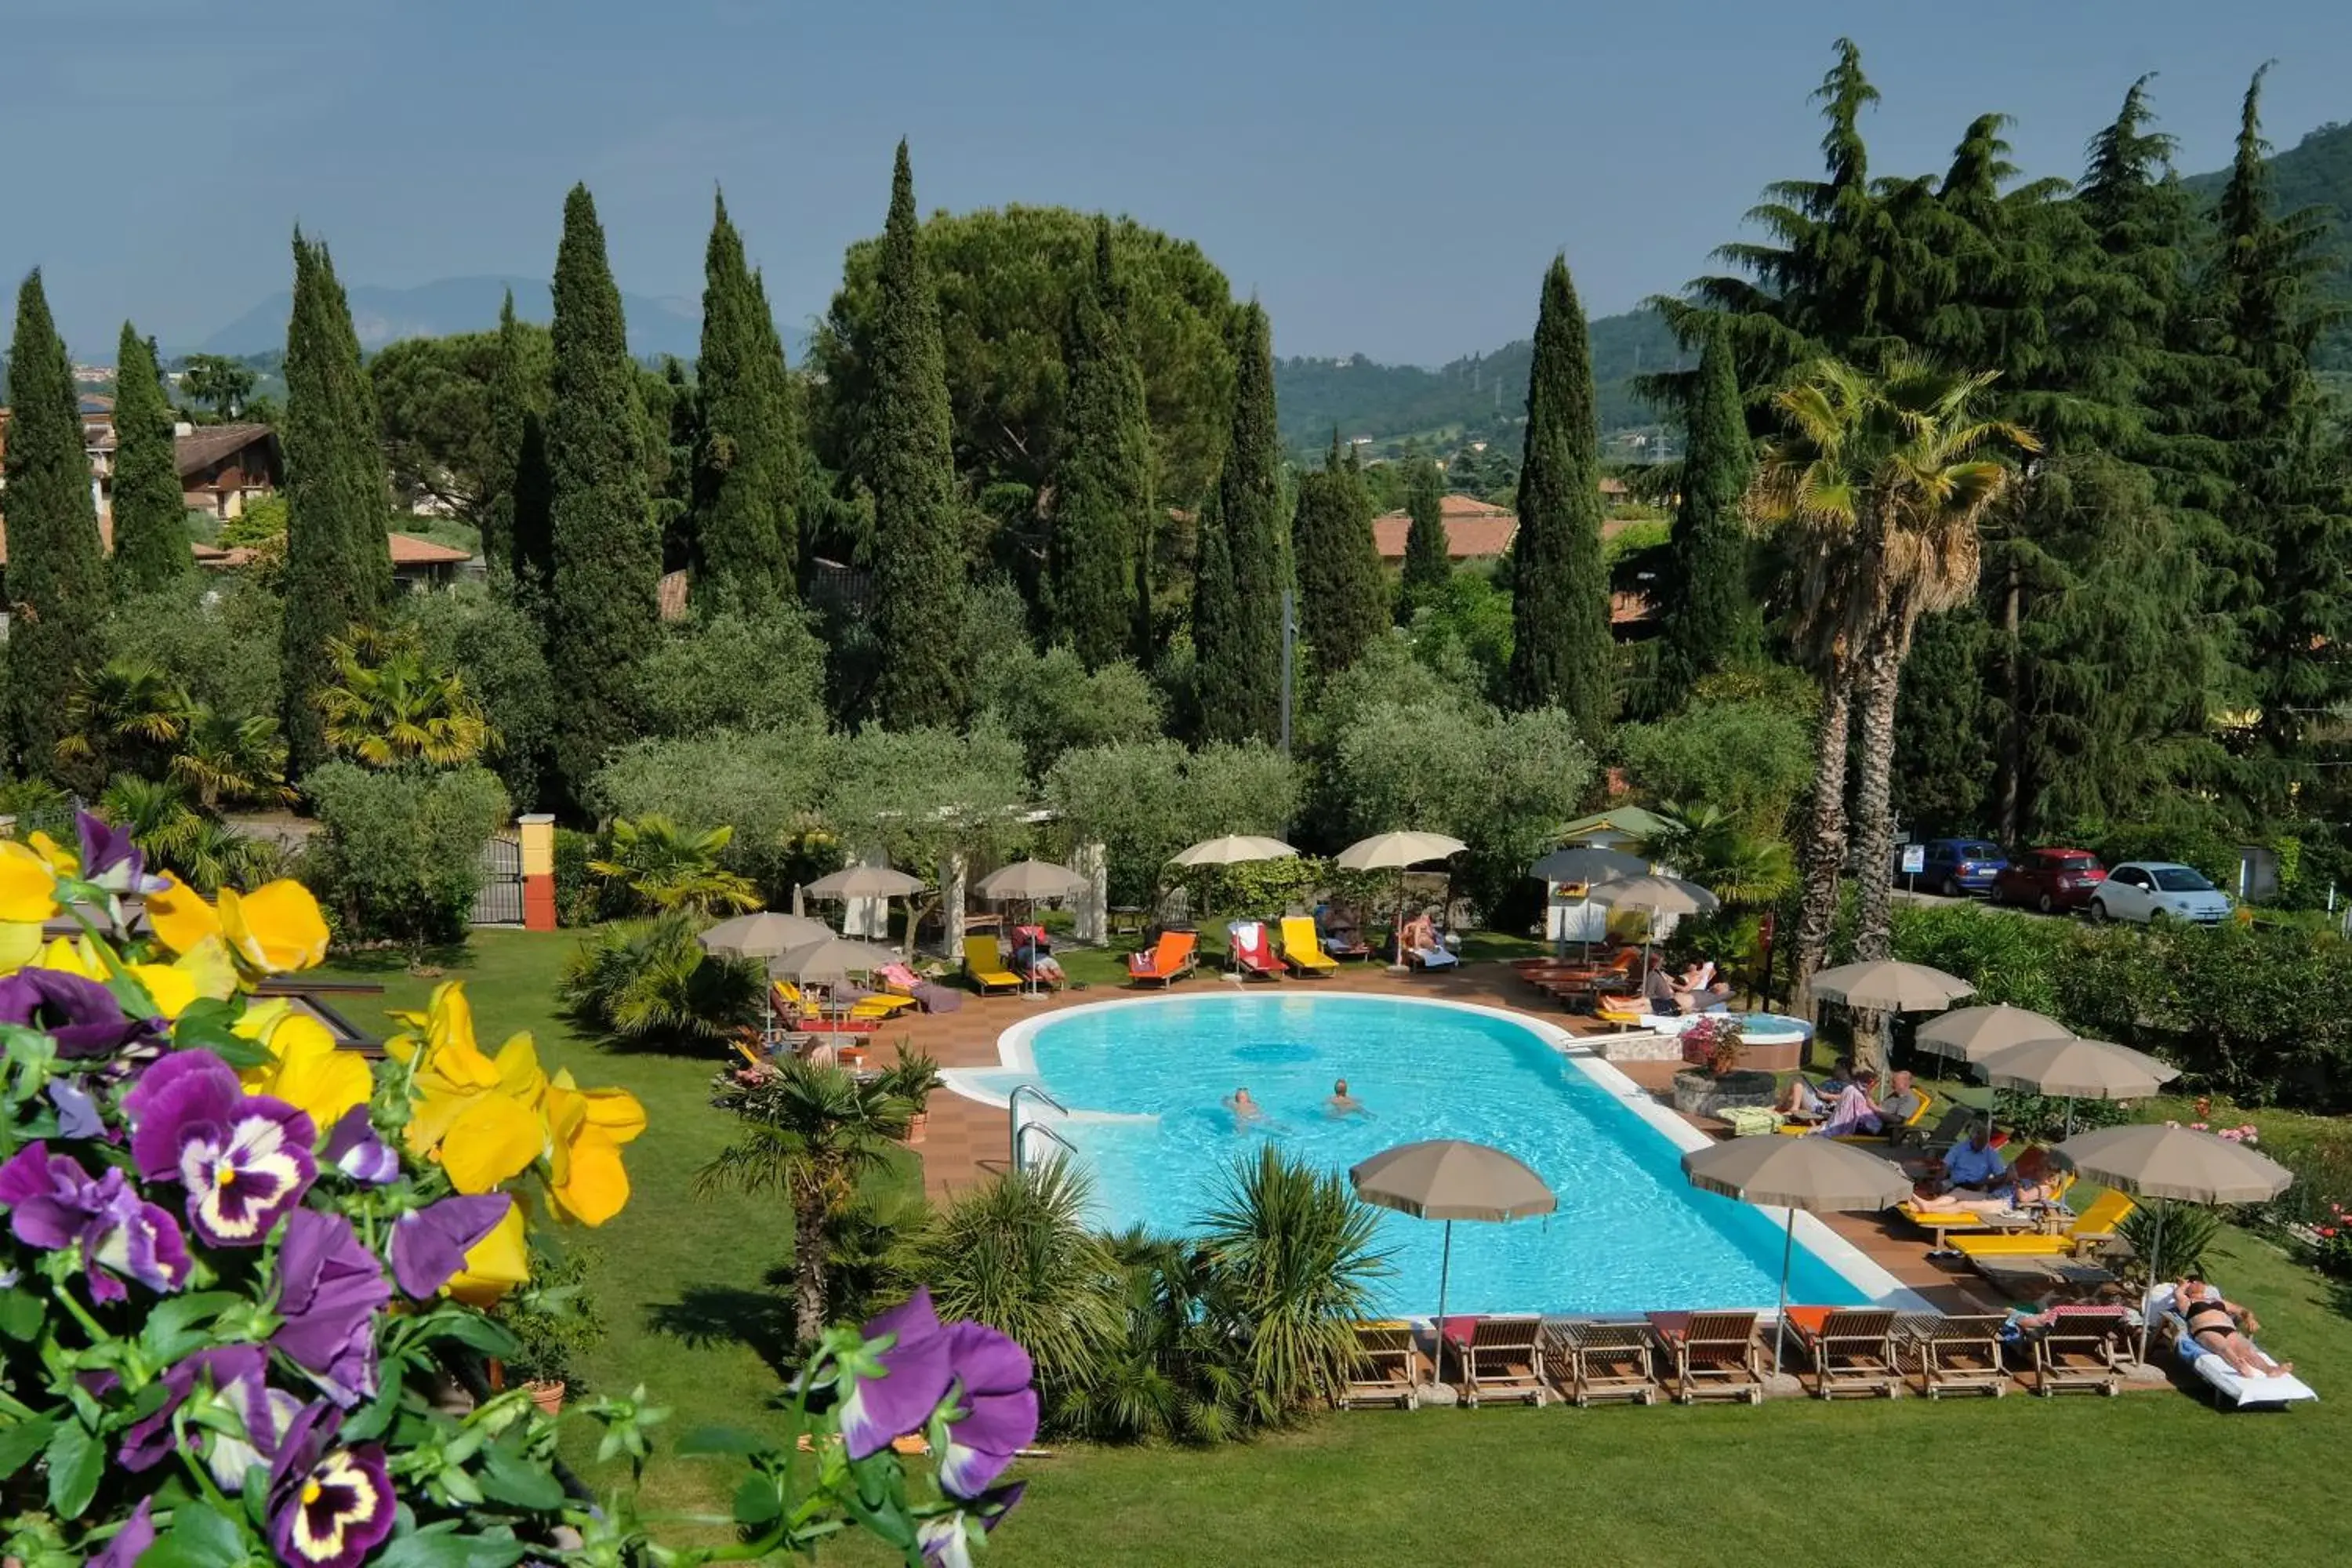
x,y
1959,866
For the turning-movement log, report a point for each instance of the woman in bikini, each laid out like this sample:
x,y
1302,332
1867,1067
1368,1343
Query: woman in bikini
x,y
2221,1326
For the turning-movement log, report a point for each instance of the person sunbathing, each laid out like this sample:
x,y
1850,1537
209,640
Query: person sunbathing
x,y
2033,1179
1932,1197
1800,1102
2221,1326
1694,990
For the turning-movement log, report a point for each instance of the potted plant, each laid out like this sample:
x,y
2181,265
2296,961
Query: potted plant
x,y
1712,1042
1713,1081
912,1079
554,1323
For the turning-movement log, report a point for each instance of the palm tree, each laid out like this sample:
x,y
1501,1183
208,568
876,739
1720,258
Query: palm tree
x,y
391,707
1706,845
126,717
650,981
231,761
671,867
1884,478
810,1133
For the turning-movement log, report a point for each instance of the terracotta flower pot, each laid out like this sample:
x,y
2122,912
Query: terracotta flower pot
x,y
548,1395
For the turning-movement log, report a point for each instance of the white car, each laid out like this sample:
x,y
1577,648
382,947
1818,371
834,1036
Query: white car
x,y
2143,890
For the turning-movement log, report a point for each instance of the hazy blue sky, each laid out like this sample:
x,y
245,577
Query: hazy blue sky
x,y
1389,180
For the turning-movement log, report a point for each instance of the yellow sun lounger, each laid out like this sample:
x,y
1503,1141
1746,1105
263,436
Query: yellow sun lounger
x,y
2094,1226
985,966
1303,949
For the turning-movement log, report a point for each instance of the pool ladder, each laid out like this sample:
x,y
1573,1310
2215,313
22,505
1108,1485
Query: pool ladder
x,y
1013,1111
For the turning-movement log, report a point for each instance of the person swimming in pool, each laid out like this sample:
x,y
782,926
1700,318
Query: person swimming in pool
x,y
1342,1103
1247,1112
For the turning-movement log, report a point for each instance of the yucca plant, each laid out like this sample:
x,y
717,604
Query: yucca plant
x,y
650,981
2188,1230
666,867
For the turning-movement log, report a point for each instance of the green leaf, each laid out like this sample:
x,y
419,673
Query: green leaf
x,y
511,1479
480,1333
441,1547
77,1460
168,1335
370,1421
22,1441
20,1314
756,1503
200,1537
210,1024
706,1441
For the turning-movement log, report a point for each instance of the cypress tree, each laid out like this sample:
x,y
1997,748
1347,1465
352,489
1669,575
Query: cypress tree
x,y
150,549
919,566
1428,556
1706,620
515,540
742,466
338,496
1339,608
1237,632
1561,652
783,397
601,610
1102,486
57,571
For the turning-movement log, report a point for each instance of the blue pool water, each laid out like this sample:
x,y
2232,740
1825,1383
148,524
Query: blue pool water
x,y
1631,1235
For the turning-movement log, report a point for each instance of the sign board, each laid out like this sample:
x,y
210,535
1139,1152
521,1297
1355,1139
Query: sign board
x,y
1915,859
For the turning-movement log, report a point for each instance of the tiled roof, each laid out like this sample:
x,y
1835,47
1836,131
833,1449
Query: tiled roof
x,y
208,444
407,550
1475,530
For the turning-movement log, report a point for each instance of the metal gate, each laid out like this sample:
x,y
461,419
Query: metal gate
x,y
500,901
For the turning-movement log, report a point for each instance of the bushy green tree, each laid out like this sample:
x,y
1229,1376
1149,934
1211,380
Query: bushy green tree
x,y
1751,758
1051,703
217,637
1237,602
494,648
398,854
601,612
1706,619
731,672
920,564
57,574
150,547
1342,596
1145,800
1428,554
765,785
746,468
1102,486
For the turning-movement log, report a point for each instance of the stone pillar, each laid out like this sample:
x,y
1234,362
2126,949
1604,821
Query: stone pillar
x,y
536,832
955,872
1092,904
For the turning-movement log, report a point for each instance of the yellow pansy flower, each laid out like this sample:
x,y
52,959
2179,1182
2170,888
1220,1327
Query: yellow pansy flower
x,y
28,884
20,943
180,919
585,1131
494,1265
481,1113
64,862
310,1071
276,928
72,955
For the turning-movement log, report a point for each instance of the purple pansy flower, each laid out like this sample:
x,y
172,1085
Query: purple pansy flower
x,y
234,1377
77,1112
946,1538
915,1374
353,1148
79,1014
330,1288
137,1534
429,1245
53,1203
244,1158
110,859
995,1413
330,1506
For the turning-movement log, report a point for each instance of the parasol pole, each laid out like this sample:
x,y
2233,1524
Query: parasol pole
x,y
1444,1269
2155,1260
1780,1324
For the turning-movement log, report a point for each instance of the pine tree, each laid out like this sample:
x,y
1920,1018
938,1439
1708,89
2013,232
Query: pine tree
x,y
1237,635
150,549
743,469
57,571
1102,487
1561,652
515,540
1339,599
1707,619
337,498
601,610
919,565
1428,555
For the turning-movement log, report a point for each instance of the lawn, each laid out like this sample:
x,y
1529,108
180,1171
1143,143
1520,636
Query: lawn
x,y
2080,1480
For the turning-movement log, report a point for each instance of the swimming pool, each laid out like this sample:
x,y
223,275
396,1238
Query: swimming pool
x,y
1143,1079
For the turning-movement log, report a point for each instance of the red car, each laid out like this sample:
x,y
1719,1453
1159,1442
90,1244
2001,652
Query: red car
x,y
2050,880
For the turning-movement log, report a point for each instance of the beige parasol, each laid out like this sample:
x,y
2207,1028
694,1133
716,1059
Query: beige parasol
x,y
1397,852
1819,1175
2079,1070
1447,1179
1026,881
1233,850
830,961
1890,985
764,933
1972,1034
865,882
1659,895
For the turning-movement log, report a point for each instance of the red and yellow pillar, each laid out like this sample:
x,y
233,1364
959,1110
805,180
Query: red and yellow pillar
x,y
537,833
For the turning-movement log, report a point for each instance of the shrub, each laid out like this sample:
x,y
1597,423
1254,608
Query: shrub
x,y
496,648
400,853
724,672
1751,759
660,866
650,981
552,1319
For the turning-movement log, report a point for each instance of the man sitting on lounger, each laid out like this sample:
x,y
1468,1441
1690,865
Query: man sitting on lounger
x,y
1902,1102
1973,1163
1342,1103
2221,1326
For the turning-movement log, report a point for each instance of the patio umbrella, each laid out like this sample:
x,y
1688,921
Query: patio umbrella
x,y
1889,986
1447,1179
870,882
763,933
1819,1175
1659,895
1233,850
1397,851
1586,864
830,961
2175,1165
2078,1070
1027,882
1972,1034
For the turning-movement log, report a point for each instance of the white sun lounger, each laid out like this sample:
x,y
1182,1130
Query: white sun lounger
x,y
2228,1386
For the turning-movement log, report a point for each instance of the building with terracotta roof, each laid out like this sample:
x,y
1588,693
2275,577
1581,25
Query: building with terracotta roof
x,y
1475,530
225,467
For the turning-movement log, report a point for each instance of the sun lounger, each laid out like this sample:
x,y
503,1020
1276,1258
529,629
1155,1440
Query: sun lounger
x,y
983,966
2092,1229
929,998
1940,1223
1715,1355
1437,957
2229,1387
798,1014
1252,954
2033,1276
1955,1356
2084,1350
1603,1361
1388,1367
1852,1349
1303,949
1169,960
1502,1359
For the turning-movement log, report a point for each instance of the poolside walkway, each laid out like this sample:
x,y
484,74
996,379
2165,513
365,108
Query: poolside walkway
x,y
966,1142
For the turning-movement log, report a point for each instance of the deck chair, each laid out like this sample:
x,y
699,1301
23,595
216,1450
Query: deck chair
x,y
1387,1369
1715,1355
1913,1130
1303,949
1252,954
1503,1359
2083,1350
1170,959
1032,939
1603,1361
797,1013
1955,1356
2092,1229
983,966
1852,1349
1940,1223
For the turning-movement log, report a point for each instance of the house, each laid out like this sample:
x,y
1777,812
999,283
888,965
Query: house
x,y
96,441
418,565
223,468
1475,530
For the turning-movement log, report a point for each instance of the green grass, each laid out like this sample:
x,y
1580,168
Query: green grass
x,y
681,1281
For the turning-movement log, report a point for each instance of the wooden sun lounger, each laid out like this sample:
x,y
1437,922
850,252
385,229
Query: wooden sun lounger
x,y
1954,1355
1502,1360
1603,1361
2083,1350
1715,1355
1389,1370
1853,1349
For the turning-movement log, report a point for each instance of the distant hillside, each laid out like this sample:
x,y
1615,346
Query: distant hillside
x,y
1483,395
2316,172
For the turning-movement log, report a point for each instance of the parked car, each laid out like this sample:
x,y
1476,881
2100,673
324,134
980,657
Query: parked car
x,y
2050,880
2145,890
1958,866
